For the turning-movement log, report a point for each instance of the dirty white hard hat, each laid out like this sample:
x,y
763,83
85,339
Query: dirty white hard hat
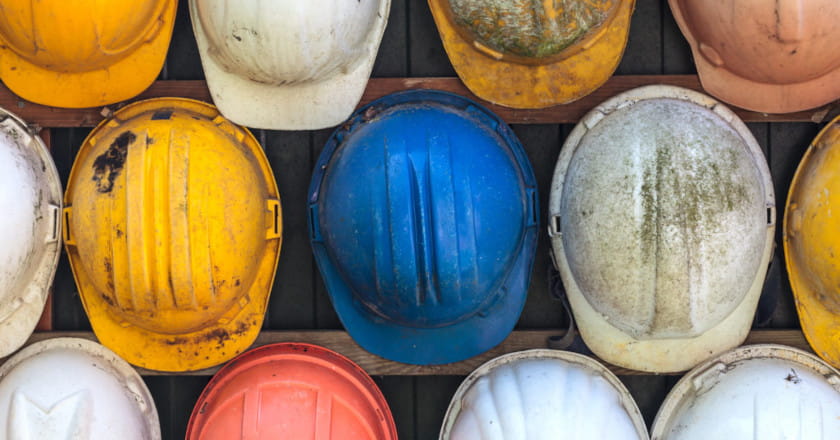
x,y
542,395
661,217
288,64
30,230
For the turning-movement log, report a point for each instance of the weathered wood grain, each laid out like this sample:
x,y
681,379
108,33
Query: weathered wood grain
x,y
45,116
518,340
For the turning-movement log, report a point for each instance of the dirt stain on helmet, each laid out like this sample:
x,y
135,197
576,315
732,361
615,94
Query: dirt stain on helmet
x,y
108,165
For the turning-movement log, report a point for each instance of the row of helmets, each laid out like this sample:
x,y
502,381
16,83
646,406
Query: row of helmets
x,y
423,222
283,64
303,391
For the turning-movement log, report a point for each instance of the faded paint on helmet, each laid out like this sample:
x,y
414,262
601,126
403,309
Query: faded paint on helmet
x,y
531,28
765,55
174,233
810,240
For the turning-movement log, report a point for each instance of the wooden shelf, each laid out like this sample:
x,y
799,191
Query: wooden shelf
x,y
341,342
50,117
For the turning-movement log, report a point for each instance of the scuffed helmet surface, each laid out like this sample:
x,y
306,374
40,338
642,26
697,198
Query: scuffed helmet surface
x,y
663,218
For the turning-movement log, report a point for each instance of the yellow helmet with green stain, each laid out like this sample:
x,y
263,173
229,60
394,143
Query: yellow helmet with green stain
x,y
530,53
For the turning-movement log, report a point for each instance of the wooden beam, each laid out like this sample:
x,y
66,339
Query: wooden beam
x,y
45,323
341,342
377,87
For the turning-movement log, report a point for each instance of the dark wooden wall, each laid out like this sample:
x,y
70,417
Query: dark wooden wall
x,y
412,48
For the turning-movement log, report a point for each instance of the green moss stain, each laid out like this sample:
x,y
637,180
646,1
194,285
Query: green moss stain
x,y
648,231
700,191
530,28
663,210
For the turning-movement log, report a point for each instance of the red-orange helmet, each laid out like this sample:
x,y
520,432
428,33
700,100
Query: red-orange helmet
x,y
294,391
773,56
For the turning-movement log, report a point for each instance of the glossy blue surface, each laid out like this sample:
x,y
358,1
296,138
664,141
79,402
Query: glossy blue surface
x,y
423,220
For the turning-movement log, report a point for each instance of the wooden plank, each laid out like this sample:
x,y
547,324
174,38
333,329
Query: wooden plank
x,y
392,57
399,393
325,314
426,55
174,398
648,392
291,304
45,323
182,59
68,311
643,53
341,342
378,87
542,144
787,145
676,53
432,396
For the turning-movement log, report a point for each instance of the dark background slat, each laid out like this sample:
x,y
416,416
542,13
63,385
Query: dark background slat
x,y
412,47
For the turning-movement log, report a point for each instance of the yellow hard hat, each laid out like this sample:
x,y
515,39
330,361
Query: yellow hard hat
x,y
83,53
812,243
533,53
173,229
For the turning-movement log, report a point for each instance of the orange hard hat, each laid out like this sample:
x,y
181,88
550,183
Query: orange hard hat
x,y
83,53
765,55
291,391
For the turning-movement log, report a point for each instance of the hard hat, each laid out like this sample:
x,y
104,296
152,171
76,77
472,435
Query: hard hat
x,y
528,54
661,220
288,64
70,388
765,55
539,395
422,213
83,53
753,392
293,391
172,226
810,235
30,200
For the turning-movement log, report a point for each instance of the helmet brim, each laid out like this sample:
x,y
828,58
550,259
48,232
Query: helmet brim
x,y
300,106
535,86
763,97
430,345
753,95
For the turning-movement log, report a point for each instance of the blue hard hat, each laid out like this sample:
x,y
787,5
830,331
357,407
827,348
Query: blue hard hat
x,y
423,222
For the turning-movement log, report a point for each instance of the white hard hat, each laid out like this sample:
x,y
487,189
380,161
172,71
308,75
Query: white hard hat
x,y
661,217
754,392
288,64
30,236
540,395
73,388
